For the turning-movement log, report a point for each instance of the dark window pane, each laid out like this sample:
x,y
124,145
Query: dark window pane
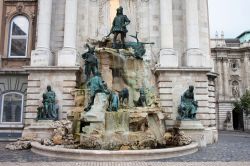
x,y
12,107
20,26
18,47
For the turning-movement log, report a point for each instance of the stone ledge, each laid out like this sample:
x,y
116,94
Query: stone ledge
x,y
183,69
51,68
105,155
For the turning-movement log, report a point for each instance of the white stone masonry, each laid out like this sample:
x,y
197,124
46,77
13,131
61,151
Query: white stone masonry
x,y
68,55
42,56
168,57
194,55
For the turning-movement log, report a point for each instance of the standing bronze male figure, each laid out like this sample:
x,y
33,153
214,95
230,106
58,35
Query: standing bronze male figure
x,y
119,27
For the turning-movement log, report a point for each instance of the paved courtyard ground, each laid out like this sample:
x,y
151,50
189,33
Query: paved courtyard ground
x,y
233,149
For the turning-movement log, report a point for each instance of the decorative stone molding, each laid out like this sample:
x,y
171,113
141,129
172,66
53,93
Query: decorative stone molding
x,y
234,77
19,7
13,83
234,64
235,89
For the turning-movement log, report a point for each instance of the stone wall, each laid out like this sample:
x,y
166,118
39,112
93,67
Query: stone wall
x,y
62,84
172,83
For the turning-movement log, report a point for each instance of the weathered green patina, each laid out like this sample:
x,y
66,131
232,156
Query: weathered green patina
x,y
142,101
95,85
113,102
49,110
188,107
119,27
91,62
138,47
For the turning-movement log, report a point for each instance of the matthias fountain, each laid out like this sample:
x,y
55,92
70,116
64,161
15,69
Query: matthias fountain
x,y
117,112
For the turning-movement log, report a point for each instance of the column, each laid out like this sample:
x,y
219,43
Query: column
x,y
42,56
195,58
226,79
168,57
68,56
220,79
1,17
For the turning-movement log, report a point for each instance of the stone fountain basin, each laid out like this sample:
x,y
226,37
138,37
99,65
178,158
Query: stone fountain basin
x,y
106,155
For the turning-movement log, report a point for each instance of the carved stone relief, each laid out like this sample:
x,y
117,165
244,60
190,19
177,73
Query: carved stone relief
x,y
234,64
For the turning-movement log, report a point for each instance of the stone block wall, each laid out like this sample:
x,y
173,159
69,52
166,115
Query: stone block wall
x,y
212,103
172,83
62,83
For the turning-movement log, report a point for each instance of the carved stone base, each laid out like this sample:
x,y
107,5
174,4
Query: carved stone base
x,y
195,58
193,128
228,126
67,57
168,58
41,57
38,130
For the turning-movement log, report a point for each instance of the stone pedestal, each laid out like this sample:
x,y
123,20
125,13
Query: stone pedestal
x,y
41,57
67,57
228,126
193,128
39,130
168,58
195,58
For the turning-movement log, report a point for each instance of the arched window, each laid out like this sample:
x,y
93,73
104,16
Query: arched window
x,y
12,107
18,37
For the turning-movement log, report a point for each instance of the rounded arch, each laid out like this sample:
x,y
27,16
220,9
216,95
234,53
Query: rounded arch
x,y
15,14
12,104
19,29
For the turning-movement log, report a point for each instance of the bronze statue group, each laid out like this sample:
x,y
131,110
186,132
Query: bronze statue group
x,y
49,111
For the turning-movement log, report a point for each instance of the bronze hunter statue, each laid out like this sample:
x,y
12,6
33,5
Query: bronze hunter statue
x,y
119,27
91,62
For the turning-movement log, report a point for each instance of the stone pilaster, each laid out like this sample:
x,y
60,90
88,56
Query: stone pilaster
x,y
194,56
42,56
220,80
226,79
168,57
68,55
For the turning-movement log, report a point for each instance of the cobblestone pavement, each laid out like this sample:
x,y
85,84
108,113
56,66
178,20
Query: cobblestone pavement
x,y
233,147
128,164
